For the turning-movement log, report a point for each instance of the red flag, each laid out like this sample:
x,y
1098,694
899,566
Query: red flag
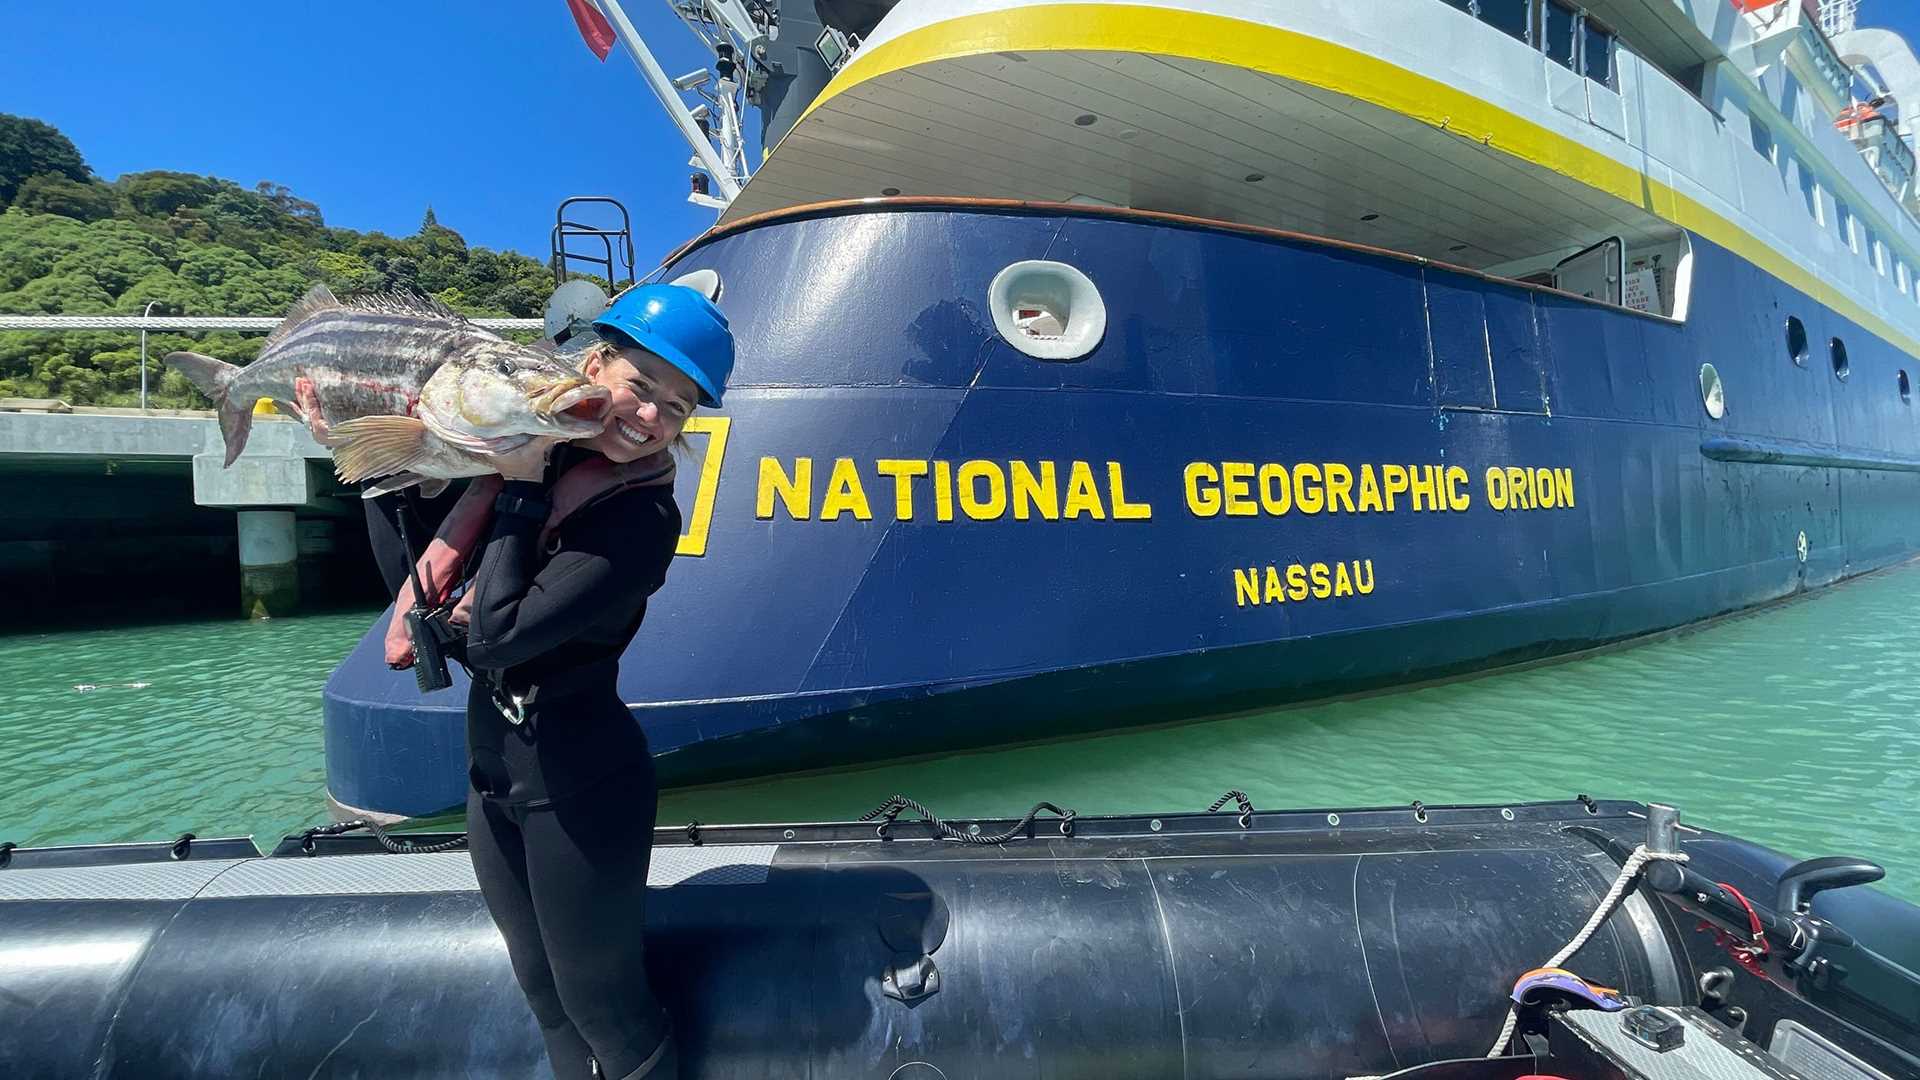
x,y
593,27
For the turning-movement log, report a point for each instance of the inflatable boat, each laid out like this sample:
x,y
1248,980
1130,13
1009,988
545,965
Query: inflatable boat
x,y
1410,941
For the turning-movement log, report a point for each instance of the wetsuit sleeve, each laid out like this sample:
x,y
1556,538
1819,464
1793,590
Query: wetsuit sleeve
x,y
616,555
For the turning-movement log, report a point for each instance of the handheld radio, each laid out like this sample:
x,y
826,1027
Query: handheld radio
x,y
426,627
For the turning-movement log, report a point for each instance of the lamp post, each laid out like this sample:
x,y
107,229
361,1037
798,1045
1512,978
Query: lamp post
x,y
147,314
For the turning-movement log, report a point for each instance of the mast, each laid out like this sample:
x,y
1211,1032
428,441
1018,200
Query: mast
x,y
752,66
725,163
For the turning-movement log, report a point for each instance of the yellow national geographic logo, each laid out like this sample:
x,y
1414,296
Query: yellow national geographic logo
x,y
712,455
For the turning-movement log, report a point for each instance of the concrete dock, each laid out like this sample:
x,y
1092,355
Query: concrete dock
x,y
110,482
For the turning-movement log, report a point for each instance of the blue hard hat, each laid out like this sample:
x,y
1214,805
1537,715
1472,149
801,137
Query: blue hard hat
x,y
680,326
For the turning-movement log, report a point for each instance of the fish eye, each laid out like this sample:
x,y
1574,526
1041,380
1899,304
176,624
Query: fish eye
x,y
505,367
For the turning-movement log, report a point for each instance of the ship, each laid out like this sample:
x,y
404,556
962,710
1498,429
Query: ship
x,y
1103,363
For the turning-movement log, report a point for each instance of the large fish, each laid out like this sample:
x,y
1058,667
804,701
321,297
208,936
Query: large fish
x,y
410,390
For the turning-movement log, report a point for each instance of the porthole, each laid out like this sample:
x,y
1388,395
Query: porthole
x,y
1797,340
1840,367
1906,388
1712,395
1047,310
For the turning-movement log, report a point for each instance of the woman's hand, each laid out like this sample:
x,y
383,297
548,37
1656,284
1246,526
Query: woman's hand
x,y
462,613
440,565
307,399
399,644
527,463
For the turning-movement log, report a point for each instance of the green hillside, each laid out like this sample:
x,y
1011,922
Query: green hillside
x,y
194,245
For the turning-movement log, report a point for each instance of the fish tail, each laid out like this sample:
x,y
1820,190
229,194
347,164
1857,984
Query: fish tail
x,y
214,378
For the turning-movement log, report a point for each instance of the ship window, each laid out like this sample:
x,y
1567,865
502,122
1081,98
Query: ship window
x,y
1557,38
1810,190
1845,216
1903,277
1596,52
1906,388
1840,366
1513,16
1762,138
1797,340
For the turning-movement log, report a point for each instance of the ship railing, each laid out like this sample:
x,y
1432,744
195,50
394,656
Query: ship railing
x,y
1882,147
1889,154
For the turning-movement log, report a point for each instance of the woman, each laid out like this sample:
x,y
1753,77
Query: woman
x,y
561,812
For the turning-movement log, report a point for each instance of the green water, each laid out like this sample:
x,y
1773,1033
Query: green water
x,y
1798,726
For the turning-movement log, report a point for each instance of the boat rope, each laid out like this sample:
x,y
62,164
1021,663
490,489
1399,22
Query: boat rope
x,y
1629,870
386,839
1235,795
896,804
195,322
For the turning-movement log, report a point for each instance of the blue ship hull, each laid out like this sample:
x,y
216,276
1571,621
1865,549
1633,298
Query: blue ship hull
x,y
1291,468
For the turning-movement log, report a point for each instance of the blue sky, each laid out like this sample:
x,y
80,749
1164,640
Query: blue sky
x,y
490,110
1898,15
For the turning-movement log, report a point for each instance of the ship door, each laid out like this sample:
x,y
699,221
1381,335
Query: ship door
x,y
1596,273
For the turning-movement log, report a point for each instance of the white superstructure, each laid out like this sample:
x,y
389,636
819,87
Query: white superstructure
x,y
1506,135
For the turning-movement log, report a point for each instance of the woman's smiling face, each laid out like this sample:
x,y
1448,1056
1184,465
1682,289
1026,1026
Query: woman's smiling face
x,y
651,402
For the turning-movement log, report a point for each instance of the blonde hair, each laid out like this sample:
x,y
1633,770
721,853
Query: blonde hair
x,y
604,351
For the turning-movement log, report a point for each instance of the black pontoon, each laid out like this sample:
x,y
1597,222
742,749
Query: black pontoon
x,y
1238,943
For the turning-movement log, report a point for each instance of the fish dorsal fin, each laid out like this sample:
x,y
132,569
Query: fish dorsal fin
x,y
402,302
318,299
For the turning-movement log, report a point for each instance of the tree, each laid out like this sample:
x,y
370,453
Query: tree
x,y
29,148
214,264
160,194
31,243
52,193
297,208
344,273
166,292
402,272
198,245
55,294
115,255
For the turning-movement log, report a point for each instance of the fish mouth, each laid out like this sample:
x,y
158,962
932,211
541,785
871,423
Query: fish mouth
x,y
579,407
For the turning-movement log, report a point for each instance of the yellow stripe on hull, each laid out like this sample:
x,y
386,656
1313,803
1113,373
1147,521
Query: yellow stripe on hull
x,y
1336,69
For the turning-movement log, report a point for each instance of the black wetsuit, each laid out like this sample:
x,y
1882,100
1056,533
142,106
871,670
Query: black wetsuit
x,y
560,819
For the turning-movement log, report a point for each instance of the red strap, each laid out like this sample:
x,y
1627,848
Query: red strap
x,y
1753,917
1750,952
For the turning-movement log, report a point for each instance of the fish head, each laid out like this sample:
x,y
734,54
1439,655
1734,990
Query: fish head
x,y
496,390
